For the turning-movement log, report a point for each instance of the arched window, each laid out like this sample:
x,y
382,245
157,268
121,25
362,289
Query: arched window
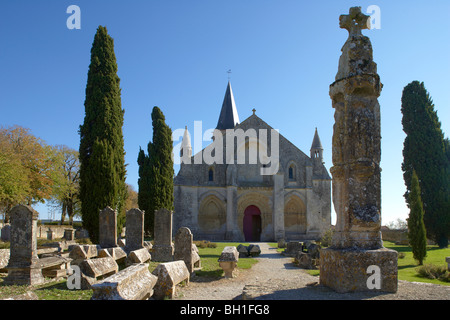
x,y
211,174
291,172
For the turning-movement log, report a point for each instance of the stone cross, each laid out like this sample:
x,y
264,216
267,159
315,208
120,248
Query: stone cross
x,y
354,22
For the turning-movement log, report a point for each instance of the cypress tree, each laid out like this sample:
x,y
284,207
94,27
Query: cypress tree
x,y
416,227
156,171
424,150
102,156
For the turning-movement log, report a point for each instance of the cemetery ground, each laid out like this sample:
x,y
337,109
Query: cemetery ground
x,y
211,274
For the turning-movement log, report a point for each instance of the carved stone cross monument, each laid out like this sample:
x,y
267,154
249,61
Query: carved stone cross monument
x,y
356,172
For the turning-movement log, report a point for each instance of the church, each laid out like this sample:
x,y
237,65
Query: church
x,y
242,197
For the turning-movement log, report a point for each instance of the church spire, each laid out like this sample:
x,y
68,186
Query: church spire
x,y
316,147
186,149
229,117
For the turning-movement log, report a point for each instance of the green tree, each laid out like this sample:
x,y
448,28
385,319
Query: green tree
x,y
424,150
65,196
416,227
27,168
102,155
156,171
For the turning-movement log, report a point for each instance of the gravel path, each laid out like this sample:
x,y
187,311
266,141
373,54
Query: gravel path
x,y
274,277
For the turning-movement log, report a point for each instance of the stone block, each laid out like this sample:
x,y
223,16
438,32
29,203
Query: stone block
x,y
4,259
132,283
243,251
347,270
254,250
304,260
117,253
292,247
94,268
169,275
79,253
228,261
134,229
138,256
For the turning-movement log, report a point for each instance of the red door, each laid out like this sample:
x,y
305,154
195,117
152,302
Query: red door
x,y
252,223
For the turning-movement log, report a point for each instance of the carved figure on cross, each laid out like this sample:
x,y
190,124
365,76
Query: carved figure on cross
x,y
354,22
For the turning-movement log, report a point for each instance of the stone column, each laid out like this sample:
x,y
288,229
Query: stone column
x,y
163,246
278,206
356,172
108,228
232,229
134,229
23,267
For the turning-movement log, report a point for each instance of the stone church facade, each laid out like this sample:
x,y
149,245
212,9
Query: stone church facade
x,y
231,200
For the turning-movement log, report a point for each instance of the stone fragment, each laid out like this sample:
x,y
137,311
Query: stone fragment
x,y
292,247
254,250
4,259
132,283
243,251
117,253
169,275
228,260
138,256
94,268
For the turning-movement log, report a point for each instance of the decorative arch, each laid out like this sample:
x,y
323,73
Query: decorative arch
x,y
211,214
258,200
294,214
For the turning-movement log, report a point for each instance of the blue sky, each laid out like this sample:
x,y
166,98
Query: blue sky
x,y
175,55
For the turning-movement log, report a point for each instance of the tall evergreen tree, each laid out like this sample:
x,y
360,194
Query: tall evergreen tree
x,y
156,171
416,227
102,155
424,151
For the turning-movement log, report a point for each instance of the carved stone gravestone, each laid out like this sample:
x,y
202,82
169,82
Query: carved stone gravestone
x,y
184,248
163,247
108,228
134,230
357,251
23,267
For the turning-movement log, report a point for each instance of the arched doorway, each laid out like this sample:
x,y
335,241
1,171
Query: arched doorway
x,y
252,223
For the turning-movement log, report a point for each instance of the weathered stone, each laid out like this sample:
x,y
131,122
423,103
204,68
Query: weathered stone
x,y
138,256
292,247
304,260
169,274
22,266
447,259
69,234
163,247
29,295
50,234
134,229
108,228
254,250
93,268
314,250
79,253
243,251
228,261
117,253
282,243
4,259
6,232
186,250
55,266
356,242
132,283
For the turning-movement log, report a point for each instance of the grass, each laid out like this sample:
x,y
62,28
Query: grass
x,y
58,290
408,267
